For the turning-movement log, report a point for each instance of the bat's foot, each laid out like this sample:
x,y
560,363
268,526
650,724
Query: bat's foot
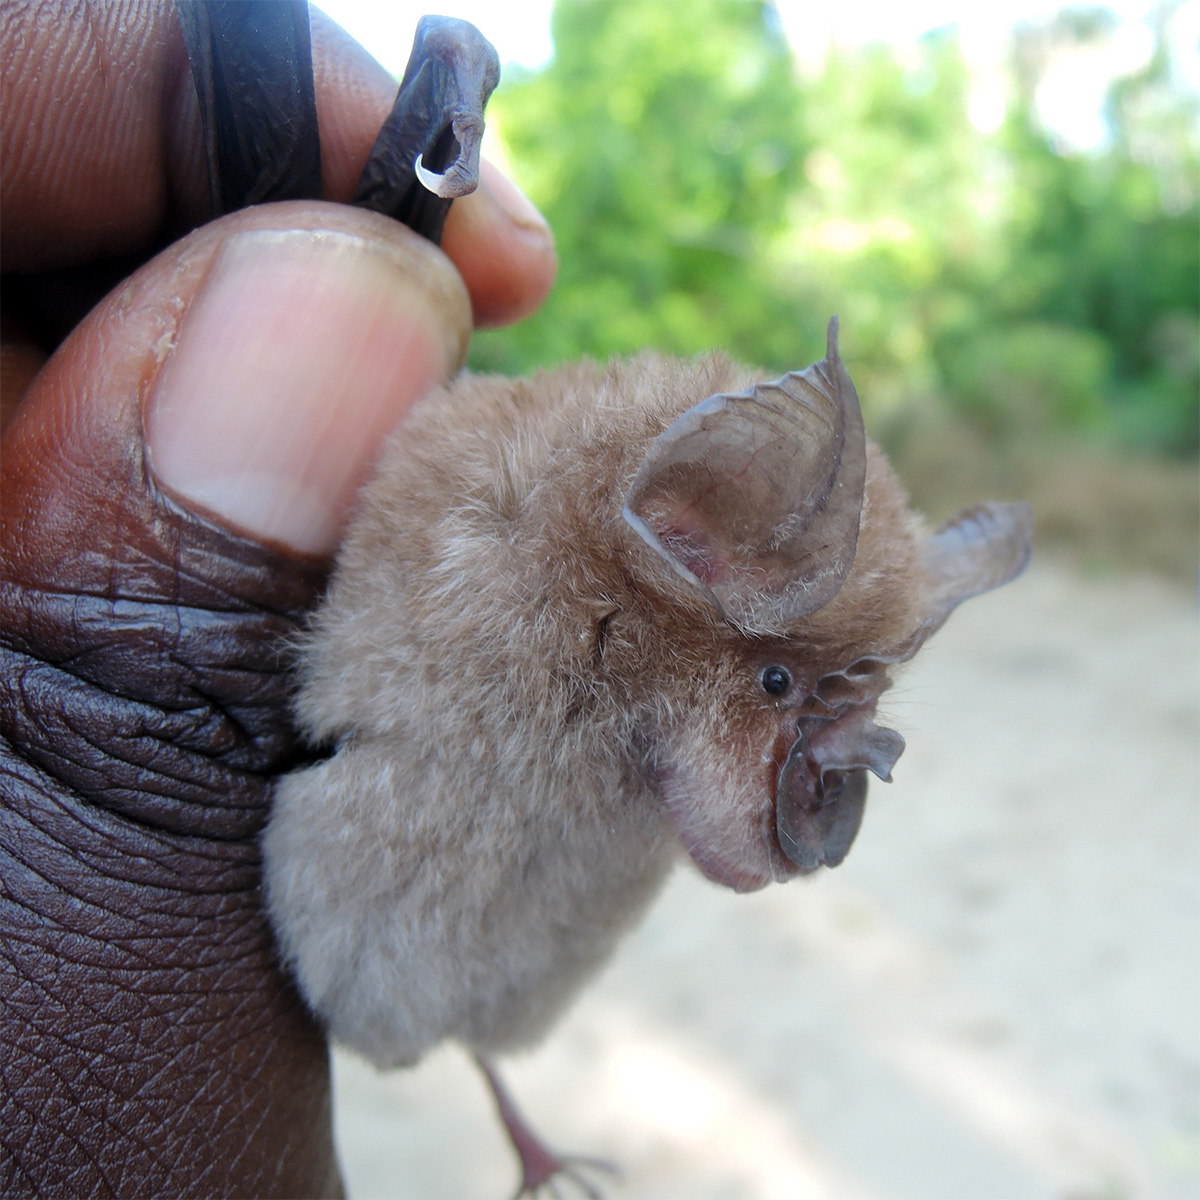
x,y
545,1172
542,1170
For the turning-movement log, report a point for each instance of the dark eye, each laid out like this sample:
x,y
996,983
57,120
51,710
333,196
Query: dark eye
x,y
775,680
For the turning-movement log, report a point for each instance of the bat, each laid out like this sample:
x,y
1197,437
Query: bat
x,y
585,625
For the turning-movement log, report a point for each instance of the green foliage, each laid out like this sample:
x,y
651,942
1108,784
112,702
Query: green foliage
x,y
1111,244
664,145
1029,380
706,193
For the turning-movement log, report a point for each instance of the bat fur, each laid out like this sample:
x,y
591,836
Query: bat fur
x,y
535,718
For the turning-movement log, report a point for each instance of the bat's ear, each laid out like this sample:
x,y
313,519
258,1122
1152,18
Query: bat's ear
x,y
975,551
754,498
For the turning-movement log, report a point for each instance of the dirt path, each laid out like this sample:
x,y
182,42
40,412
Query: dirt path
x,y
995,998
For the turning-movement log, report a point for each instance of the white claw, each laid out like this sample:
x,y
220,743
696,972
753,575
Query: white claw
x,y
439,185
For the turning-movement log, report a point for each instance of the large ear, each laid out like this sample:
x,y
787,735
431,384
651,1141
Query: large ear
x,y
754,498
975,551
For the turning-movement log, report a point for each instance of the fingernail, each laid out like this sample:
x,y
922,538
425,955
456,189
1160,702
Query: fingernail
x,y
300,351
514,203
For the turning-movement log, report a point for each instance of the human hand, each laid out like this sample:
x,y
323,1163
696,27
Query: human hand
x,y
176,476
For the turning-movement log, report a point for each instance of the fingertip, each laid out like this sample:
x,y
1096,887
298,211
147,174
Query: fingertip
x,y
254,368
503,248
297,354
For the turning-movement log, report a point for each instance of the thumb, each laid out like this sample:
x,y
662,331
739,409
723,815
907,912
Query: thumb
x,y
253,366
263,356
301,345
208,420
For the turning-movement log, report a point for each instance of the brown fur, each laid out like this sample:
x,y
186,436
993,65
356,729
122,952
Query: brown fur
x,y
529,719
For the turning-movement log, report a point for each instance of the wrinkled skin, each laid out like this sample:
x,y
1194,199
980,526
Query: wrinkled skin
x,y
151,1044
154,1048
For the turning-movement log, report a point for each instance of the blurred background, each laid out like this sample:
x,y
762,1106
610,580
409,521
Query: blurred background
x,y
999,994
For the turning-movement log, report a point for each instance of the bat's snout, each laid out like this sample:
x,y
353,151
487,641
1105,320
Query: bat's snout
x,y
817,813
821,788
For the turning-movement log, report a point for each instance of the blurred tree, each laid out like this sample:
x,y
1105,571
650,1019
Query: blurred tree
x,y
664,143
1110,241
902,221
706,193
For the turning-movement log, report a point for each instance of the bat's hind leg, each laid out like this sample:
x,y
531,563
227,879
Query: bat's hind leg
x,y
541,1169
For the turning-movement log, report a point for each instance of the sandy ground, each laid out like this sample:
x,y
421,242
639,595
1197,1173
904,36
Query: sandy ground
x,y
997,997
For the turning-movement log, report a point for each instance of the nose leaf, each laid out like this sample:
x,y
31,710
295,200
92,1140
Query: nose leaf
x,y
821,791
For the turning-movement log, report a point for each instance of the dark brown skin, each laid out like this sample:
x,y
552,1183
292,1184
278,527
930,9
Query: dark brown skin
x,y
152,1046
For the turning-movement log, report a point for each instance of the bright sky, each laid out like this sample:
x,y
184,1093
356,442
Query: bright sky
x,y
519,29
1069,102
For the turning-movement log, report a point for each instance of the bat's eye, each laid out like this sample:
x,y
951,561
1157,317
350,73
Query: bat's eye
x,y
775,680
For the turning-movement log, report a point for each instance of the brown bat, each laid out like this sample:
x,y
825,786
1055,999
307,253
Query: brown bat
x,y
584,625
